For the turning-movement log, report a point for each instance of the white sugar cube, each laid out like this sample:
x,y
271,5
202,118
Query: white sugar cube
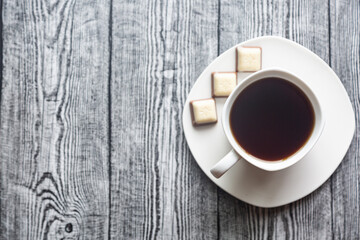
x,y
203,111
248,59
223,84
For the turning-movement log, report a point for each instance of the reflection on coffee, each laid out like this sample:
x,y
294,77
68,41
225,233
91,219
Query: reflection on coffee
x,y
272,119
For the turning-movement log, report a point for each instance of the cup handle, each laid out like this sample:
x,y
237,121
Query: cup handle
x,y
225,164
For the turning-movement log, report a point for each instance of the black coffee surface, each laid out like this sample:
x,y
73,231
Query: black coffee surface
x,y
271,119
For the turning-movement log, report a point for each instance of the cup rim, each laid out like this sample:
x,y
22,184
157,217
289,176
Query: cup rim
x,y
298,155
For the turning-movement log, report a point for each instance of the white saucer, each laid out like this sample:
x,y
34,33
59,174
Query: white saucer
x,y
244,181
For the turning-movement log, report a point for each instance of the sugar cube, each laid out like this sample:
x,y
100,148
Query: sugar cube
x,y
203,111
248,59
223,83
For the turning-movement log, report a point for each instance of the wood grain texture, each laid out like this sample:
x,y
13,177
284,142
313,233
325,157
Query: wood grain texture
x,y
159,49
305,22
91,140
54,124
345,60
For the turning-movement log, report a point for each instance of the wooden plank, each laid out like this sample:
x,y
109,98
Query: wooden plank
x,y
159,49
54,120
305,22
345,60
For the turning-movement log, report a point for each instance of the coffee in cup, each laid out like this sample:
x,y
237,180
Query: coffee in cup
x,y
272,119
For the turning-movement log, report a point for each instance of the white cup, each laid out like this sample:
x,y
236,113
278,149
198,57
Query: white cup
x,y
238,152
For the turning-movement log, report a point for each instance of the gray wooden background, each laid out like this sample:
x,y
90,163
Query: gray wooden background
x,y
91,140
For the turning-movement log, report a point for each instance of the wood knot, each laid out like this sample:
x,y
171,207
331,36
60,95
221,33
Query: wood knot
x,y
68,228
